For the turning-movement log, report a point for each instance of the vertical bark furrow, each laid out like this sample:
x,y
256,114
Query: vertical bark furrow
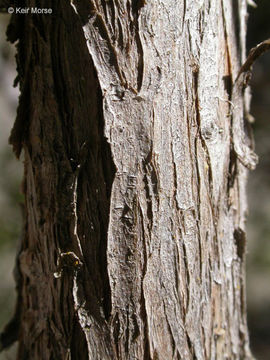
x,y
65,153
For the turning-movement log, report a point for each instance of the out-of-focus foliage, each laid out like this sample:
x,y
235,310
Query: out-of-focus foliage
x,y
10,178
10,168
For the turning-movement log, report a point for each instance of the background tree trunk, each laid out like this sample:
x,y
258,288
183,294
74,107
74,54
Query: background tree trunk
x,y
136,153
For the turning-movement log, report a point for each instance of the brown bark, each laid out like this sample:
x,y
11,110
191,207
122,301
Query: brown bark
x,y
136,152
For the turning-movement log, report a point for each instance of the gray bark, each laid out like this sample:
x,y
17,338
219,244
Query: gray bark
x,y
136,154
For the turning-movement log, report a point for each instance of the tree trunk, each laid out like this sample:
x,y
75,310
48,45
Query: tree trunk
x,y
136,154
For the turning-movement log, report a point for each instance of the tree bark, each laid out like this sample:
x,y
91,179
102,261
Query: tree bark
x,y
136,149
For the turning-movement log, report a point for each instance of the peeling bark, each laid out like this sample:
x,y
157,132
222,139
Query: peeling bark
x,y
136,152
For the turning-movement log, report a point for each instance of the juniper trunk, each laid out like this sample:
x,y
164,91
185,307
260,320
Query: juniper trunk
x,y
132,133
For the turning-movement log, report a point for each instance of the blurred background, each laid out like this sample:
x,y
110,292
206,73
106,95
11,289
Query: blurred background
x,y
258,229
10,178
258,258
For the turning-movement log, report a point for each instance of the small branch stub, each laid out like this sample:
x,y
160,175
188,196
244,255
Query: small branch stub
x,y
253,55
68,261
